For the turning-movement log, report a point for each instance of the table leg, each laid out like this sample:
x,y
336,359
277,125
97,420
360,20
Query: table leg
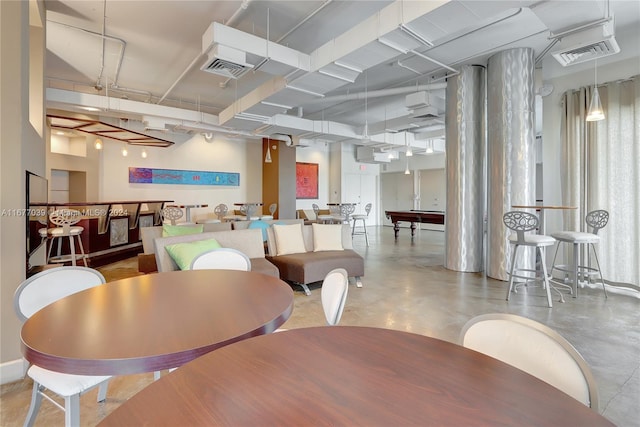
x,y
575,270
396,229
413,229
187,214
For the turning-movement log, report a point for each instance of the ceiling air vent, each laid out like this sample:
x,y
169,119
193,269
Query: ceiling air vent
x,y
586,45
226,62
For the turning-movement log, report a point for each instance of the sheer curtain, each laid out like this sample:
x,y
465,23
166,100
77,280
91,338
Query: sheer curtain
x,y
601,170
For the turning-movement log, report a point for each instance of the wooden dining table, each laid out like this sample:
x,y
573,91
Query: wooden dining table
x,y
154,322
343,375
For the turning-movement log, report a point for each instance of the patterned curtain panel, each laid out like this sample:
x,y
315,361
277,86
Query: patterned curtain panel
x,y
601,170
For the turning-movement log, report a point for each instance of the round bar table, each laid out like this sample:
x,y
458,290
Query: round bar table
x,y
154,322
343,375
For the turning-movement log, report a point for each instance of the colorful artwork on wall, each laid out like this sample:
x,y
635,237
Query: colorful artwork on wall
x,y
174,176
306,180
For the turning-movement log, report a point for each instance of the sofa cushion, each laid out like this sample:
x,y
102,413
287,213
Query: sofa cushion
x,y
289,239
184,253
180,230
327,237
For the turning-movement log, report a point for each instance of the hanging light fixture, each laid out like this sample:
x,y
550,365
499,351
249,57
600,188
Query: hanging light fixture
x,y
267,158
596,113
365,132
124,151
430,147
98,144
409,151
406,170
144,154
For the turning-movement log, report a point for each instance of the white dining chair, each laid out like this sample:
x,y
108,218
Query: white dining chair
x,y
534,348
35,293
222,259
333,294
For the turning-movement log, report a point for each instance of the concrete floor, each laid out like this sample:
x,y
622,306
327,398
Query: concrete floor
x,y
407,288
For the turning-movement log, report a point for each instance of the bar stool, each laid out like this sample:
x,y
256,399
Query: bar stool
x,y
521,222
363,218
595,220
272,210
322,219
172,214
65,220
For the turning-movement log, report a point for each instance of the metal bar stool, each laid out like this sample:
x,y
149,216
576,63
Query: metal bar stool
x,y
521,222
595,220
65,220
363,218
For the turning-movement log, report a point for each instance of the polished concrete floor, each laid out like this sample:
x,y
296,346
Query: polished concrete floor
x,y
407,288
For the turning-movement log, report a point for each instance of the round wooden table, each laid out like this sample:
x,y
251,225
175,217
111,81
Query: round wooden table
x,y
154,322
349,376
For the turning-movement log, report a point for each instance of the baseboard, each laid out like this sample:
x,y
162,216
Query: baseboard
x,y
13,370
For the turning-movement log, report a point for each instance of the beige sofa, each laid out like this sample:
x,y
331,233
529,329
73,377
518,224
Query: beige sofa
x,y
147,259
247,241
310,266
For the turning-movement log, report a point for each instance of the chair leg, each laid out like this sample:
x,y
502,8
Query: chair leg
x,y
576,251
366,235
595,253
102,391
72,411
72,245
545,277
513,263
34,407
84,256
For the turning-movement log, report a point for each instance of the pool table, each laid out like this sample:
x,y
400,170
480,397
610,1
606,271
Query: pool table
x,y
414,216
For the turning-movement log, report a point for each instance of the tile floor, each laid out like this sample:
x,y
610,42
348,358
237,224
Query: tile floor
x,y
406,287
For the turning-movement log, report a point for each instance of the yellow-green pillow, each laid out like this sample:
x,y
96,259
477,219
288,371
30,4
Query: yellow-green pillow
x,y
184,253
181,230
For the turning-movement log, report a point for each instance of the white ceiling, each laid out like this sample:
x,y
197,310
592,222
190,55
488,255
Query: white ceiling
x,y
152,53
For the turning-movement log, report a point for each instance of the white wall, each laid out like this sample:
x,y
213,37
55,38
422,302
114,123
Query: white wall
x,y
221,155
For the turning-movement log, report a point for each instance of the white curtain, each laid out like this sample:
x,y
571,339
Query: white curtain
x,y
601,170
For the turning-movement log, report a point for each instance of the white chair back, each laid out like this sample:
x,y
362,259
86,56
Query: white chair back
x,y
222,259
51,285
334,295
220,211
65,218
520,222
533,348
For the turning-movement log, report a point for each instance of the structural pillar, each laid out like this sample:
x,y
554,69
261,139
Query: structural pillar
x,y
510,151
465,139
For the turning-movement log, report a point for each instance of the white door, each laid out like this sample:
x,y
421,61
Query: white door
x,y
362,189
396,195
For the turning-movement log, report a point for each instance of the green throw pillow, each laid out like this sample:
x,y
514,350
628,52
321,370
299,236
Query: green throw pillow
x,y
181,230
184,253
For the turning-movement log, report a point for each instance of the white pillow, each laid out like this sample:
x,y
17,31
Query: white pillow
x,y
289,239
327,237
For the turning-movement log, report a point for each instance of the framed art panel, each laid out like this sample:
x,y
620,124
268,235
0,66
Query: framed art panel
x,y
306,180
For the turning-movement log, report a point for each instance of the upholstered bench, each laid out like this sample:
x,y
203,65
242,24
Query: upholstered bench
x,y
310,259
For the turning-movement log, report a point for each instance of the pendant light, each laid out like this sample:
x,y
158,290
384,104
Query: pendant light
x,y
124,151
409,151
596,113
267,158
98,144
365,132
144,154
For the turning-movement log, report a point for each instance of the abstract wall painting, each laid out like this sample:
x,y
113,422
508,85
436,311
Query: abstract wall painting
x,y
175,176
306,180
